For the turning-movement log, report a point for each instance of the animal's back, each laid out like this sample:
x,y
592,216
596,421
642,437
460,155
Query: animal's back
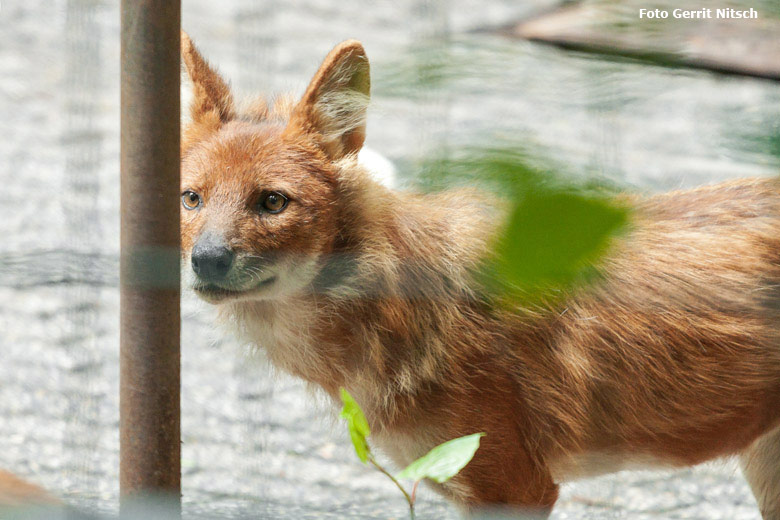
x,y
676,352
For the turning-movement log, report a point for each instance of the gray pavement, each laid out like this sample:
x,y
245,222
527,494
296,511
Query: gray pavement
x,y
255,443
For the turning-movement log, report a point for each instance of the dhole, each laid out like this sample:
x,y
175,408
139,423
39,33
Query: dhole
x,y
671,358
15,492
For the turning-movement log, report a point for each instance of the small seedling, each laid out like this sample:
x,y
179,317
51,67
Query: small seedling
x,y
440,464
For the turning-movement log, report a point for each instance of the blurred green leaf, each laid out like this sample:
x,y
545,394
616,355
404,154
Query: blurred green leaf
x,y
760,139
357,424
444,461
554,237
556,230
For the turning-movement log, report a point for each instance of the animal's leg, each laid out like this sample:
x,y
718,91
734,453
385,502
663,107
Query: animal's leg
x,y
505,483
761,467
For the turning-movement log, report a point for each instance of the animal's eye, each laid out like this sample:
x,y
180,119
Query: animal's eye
x,y
190,199
273,202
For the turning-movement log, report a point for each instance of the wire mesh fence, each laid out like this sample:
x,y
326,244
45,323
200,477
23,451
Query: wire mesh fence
x,y
255,443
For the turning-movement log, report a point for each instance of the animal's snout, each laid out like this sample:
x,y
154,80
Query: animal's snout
x,y
212,258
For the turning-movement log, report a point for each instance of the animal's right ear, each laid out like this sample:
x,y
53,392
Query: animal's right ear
x,y
212,101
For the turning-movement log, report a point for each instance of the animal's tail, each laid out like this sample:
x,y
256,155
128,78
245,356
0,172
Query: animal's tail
x,y
15,492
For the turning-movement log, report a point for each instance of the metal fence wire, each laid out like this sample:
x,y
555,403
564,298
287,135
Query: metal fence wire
x,y
255,443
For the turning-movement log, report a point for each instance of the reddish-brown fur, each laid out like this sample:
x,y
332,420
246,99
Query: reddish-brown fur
x,y
672,356
16,492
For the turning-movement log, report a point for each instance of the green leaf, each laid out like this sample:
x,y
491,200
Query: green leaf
x,y
557,228
444,461
357,424
553,237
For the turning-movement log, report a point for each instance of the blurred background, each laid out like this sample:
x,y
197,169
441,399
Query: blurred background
x,y
646,112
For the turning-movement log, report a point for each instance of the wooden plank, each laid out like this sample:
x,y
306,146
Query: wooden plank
x,y
749,47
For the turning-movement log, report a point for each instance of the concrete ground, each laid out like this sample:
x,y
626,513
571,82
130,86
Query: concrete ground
x,y
256,444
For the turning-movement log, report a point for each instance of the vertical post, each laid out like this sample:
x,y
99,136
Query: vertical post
x,y
149,267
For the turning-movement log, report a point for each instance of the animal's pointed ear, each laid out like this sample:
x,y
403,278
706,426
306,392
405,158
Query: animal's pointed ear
x,y
333,109
212,101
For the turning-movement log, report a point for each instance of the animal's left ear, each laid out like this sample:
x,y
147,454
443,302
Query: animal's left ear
x,y
333,109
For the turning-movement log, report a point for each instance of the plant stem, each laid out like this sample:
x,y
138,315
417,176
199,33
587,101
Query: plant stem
x,y
398,484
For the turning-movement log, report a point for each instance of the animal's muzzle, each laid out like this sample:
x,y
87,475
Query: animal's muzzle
x,y
212,258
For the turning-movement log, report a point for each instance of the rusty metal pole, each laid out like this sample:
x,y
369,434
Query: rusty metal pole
x,y
149,272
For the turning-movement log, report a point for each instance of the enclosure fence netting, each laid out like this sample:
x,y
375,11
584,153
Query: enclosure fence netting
x,y
255,443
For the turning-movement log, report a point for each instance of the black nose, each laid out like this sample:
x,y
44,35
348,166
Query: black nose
x,y
211,260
